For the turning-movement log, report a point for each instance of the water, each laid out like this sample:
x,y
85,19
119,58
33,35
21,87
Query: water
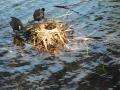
x,y
91,63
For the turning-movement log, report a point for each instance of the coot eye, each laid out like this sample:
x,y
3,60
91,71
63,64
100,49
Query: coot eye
x,y
43,9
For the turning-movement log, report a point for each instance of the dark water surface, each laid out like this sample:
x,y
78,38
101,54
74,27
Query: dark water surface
x,y
93,61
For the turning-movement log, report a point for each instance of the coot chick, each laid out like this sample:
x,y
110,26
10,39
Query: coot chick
x,y
16,24
39,14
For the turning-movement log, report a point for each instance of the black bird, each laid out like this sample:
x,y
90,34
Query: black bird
x,y
39,14
16,24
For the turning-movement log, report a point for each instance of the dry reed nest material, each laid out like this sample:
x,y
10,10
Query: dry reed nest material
x,y
50,36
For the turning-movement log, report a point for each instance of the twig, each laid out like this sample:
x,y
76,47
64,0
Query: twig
x,y
65,7
71,6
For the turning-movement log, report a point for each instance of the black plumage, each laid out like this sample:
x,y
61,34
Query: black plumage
x,y
16,24
39,14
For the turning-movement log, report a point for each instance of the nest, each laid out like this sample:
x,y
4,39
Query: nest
x,y
49,36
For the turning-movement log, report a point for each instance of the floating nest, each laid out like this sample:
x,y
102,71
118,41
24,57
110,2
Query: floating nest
x,y
50,36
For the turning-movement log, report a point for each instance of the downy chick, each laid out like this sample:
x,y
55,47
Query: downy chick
x,y
16,24
39,14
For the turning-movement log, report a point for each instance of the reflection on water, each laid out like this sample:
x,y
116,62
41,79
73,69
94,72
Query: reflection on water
x,y
18,41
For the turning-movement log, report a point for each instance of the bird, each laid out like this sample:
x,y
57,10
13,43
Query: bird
x,y
16,24
38,14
